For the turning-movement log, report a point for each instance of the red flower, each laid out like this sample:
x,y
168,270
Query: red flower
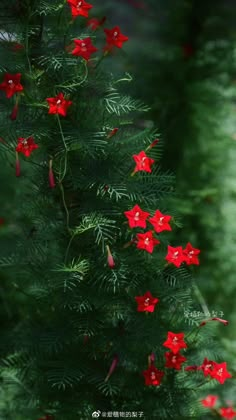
x,y
219,372
190,254
2,221
58,105
114,38
143,163
79,7
153,376
137,217
26,146
160,221
11,84
175,255
228,413
146,303
175,342
146,241
84,48
94,23
206,367
174,360
209,401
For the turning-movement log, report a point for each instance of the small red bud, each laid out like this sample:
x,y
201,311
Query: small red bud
x,y
112,368
110,259
223,321
154,143
151,359
16,46
112,133
14,112
194,367
51,175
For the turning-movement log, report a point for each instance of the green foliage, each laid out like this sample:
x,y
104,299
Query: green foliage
x,y
75,313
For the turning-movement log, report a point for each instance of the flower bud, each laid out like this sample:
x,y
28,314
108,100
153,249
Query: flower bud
x,y
112,367
110,259
14,113
51,175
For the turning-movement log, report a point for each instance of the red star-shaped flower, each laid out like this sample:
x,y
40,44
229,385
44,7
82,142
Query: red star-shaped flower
x,y
58,105
175,255
191,254
206,367
137,217
160,221
84,48
11,84
153,376
146,303
79,8
209,401
114,38
228,413
219,372
174,360
26,146
175,342
146,241
143,163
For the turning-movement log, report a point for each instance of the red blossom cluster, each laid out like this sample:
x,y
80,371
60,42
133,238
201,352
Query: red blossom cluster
x,y
84,47
178,255
147,241
174,359
225,412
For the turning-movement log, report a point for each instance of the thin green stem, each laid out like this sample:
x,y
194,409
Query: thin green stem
x,y
201,299
100,59
76,84
65,206
68,247
66,150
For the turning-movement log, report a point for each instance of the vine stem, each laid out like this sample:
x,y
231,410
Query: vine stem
x,y
68,247
66,150
79,83
201,384
100,59
64,174
65,206
200,298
